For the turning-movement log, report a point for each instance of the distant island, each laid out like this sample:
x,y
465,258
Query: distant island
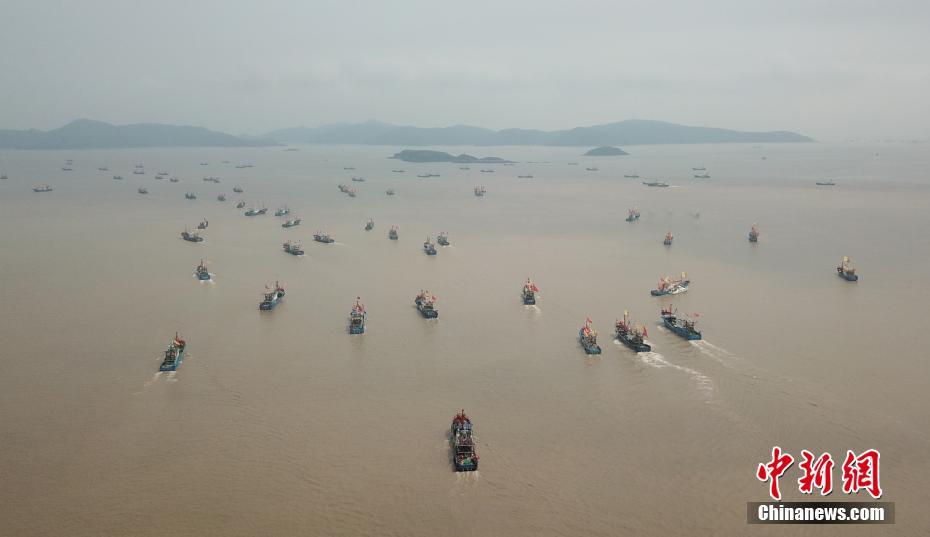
x,y
605,151
423,155
621,133
90,134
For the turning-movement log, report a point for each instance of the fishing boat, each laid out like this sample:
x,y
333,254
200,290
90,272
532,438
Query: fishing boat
x,y
701,169
45,188
398,171
191,237
67,169
442,239
357,317
671,286
632,215
424,175
190,196
487,171
293,248
369,225
668,239
631,176
425,303
846,271
3,177
682,327
255,212
428,247
161,174
240,205
103,169
143,190
464,456
203,224
358,179
826,183
291,223
348,168
480,191
591,169
754,233
238,189
343,188
174,355
174,179
464,168
701,176
323,237
630,335
524,177
588,338
352,192
221,197
392,234
271,297
138,172
529,292
283,211
661,184
390,192
202,272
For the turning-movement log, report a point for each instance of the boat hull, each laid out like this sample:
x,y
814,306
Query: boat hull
x,y
849,277
529,300
638,347
357,329
203,277
174,366
427,313
588,348
680,331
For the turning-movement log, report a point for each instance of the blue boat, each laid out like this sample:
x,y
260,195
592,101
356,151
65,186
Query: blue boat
x,y
668,239
392,234
283,211
370,225
255,212
357,317
588,338
633,215
632,336
425,303
428,247
846,271
323,237
464,456
174,355
682,327
191,237
291,223
271,297
293,248
671,286
202,273
754,233
443,239
529,292
190,196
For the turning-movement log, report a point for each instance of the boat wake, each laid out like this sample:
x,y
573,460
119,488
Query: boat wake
x,y
467,477
654,359
172,376
712,351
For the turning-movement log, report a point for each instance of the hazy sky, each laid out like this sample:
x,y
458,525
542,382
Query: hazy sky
x,y
832,70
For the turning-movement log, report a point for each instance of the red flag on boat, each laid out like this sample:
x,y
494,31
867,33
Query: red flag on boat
x,y
588,320
645,332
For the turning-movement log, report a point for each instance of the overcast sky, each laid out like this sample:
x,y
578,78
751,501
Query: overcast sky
x,y
831,70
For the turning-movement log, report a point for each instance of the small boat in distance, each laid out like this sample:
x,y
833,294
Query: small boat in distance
x,y
319,236
161,174
487,171
826,183
591,169
271,297
255,212
671,286
398,171
143,190
240,205
682,327
428,247
701,176
656,183
103,169
632,336
221,197
174,355
190,196
392,234
524,177
480,191
352,192
464,168
425,303
203,224
293,248
631,176
389,192
348,168
238,189
357,317
587,336
463,444
191,237
202,273
754,233
442,239
138,171
370,225
701,169
529,292
283,211
67,169
174,179
358,179
846,271
44,188
291,223
633,215
668,239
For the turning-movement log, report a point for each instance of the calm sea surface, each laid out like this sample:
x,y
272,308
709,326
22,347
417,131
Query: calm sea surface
x,y
280,423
